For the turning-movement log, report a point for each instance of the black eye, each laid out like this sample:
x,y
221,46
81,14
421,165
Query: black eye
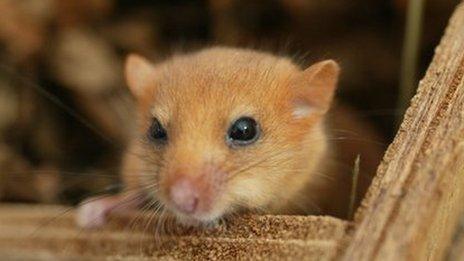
x,y
156,132
243,131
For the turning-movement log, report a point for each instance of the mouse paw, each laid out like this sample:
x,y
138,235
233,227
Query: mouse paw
x,y
92,213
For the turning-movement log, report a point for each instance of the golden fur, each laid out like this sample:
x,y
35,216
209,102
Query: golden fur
x,y
197,96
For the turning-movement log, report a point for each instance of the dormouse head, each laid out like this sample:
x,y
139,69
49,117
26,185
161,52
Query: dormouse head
x,y
226,129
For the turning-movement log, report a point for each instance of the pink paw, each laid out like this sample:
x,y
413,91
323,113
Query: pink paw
x,y
92,213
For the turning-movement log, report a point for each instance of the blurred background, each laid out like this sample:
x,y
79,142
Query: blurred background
x,y
64,108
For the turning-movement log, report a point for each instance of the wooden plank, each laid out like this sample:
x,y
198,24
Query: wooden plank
x,y
40,232
413,205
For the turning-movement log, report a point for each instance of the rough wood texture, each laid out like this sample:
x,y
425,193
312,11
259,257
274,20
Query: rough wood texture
x,y
413,206
38,232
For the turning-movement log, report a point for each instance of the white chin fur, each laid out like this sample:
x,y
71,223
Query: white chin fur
x,y
197,221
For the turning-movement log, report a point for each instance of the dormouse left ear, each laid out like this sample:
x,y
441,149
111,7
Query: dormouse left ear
x,y
315,88
138,71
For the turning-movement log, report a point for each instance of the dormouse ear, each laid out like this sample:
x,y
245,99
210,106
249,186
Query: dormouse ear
x,y
315,88
138,72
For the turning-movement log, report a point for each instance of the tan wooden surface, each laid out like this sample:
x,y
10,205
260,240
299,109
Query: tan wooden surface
x,y
41,232
413,206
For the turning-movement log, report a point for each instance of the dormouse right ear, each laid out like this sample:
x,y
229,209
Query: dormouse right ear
x,y
315,88
138,71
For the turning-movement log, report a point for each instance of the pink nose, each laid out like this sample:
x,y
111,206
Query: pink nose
x,y
184,195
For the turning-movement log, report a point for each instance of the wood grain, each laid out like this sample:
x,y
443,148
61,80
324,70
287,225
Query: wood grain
x,y
41,232
413,206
